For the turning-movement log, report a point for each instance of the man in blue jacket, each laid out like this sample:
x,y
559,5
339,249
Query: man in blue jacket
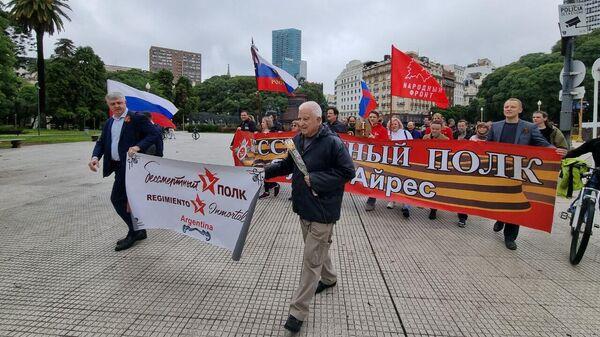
x,y
317,199
125,133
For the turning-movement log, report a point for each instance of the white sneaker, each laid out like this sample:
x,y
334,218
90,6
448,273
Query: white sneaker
x,y
391,205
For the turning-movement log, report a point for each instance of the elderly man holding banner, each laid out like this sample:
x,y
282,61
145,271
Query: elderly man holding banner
x,y
321,166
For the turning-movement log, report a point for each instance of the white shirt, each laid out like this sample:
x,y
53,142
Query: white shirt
x,y
401,134
115,133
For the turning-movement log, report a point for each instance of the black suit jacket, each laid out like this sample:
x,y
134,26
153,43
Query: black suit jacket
x,y
137,130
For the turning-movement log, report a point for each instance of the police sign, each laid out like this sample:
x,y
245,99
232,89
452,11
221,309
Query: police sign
x,y
572,20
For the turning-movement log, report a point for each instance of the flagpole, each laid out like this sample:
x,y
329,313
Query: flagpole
x,y
390,87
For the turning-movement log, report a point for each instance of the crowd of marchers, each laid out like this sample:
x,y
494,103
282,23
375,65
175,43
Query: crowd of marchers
x,y
386,128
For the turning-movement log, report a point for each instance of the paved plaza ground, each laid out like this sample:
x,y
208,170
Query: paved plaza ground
x,y
60,275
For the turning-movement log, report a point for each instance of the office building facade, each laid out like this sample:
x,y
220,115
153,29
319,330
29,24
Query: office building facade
x,y
179,62
287,50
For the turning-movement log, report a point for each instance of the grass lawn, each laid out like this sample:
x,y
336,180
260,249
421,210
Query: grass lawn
x,y
30,137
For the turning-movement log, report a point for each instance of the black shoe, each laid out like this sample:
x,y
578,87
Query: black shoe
x,y
433,214
292,324
511,245
290,198
276,192
137,236
322,286
498,226
126,243
462,223
406,212
264,195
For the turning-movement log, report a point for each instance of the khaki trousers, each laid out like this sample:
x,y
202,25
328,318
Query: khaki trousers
x,y
316,265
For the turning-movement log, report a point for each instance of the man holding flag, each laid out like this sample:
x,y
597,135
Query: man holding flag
x,y
124,133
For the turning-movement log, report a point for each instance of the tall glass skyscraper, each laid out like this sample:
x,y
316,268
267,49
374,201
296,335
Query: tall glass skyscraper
x,y
287,50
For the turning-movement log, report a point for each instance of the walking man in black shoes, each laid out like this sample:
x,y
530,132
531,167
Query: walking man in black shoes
x,y
514,130
317,199
125,133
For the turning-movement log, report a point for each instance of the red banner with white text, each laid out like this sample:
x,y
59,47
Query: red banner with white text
x,y
506,182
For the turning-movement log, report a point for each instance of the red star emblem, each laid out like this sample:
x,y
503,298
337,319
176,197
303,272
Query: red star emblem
x,y
208,181
198,205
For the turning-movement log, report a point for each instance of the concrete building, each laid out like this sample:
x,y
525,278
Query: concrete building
x,y
377,76
448,83
478,71
475,73
179,62
459,83
330,99
347,89
593,13
303,70
287,50
471,90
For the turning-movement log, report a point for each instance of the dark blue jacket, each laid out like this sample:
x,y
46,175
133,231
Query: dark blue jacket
x,y
329,167
137,131
338,127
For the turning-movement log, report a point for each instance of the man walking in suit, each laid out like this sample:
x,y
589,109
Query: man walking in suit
x,y
125,133
514,130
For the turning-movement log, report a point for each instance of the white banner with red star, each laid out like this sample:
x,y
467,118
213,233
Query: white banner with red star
x,y
211,203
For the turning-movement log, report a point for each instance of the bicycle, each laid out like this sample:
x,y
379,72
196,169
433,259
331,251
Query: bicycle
x,y
582,212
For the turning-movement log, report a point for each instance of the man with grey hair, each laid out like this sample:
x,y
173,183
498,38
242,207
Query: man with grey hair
x,y
317,199
125,132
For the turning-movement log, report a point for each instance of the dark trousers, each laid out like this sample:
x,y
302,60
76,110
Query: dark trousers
x,y
269,186
118,196
511,231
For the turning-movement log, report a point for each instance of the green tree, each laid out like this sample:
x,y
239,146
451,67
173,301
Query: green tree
x,y
8,79
313,92
536,77
165,83
76,81
64,48
40,16
137,78
26,102
183,91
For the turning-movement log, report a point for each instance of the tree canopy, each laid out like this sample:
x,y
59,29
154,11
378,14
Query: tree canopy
x,y
536,77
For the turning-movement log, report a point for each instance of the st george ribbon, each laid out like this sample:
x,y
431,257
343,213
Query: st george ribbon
x,y
211,203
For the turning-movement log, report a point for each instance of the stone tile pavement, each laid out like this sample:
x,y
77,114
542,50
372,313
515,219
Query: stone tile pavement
x,y
59,274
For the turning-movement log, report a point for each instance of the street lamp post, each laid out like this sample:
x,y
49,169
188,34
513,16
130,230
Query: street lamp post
x,y
481,111
539,103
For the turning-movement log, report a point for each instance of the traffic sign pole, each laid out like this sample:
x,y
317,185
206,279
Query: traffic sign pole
x,y
596,76
566,109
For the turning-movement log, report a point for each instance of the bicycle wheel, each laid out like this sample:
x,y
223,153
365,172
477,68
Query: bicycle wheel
x,y
195,135
579,240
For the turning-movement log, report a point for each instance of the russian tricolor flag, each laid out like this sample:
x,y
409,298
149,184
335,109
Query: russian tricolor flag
x,y
270,77
367,102
162,110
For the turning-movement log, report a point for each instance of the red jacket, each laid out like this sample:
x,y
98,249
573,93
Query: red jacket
x,y
379,132
446,131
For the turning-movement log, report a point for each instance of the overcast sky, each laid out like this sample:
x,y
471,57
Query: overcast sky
x,y
333,32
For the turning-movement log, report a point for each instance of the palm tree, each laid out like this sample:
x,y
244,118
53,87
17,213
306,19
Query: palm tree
x,y
41,16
